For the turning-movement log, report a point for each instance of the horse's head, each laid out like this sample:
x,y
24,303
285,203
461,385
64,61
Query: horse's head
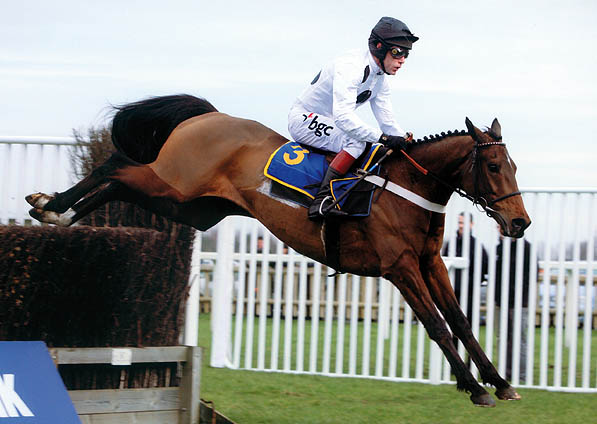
x,y
493,182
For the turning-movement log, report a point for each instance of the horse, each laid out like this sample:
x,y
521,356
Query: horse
x,y
180,157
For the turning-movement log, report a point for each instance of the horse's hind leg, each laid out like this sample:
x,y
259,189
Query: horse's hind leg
x,y
61,202
438,283
106,192
120,178
201,213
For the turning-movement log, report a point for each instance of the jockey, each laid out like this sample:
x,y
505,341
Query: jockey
x,y
324,115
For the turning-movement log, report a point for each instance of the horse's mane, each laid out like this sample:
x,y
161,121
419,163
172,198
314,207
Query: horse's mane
x,y
437,137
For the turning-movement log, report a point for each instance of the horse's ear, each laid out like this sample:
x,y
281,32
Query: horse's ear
x,y
496,129
473,131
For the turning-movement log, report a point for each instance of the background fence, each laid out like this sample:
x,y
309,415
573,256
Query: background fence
x,y
282,312
31,164
274,310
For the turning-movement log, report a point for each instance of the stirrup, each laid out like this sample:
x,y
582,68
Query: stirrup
x,y
331,211
321,212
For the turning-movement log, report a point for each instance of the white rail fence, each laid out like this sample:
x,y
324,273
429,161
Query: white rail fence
x,y
281,312
30,164
274,310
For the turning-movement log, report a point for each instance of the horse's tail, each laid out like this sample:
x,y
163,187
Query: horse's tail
x,y
140,129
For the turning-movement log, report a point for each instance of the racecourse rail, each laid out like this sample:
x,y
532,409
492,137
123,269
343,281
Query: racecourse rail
x,y
274,310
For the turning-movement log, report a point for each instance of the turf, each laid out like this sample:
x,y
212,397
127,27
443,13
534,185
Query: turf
x,y
262,397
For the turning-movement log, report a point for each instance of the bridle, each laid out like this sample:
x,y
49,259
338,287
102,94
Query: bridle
x,y
477,198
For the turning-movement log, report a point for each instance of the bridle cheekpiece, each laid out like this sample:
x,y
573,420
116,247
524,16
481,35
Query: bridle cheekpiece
x,y
477,198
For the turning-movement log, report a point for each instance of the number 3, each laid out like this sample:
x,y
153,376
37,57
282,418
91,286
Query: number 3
x,y
300,155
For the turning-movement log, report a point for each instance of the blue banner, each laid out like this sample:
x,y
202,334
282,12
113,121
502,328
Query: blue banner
x,y
31,390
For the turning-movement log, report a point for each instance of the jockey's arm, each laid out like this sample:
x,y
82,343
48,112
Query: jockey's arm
x,y
346,83
383,111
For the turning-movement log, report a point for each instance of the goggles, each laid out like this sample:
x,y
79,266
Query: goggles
x,y
398,52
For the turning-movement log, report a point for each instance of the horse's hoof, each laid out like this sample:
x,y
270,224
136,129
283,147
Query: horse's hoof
x,y
51,217
507,394
32,198
36,213
38,200
485,400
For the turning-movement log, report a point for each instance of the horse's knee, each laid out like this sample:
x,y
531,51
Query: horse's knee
x,y
440,334
460,326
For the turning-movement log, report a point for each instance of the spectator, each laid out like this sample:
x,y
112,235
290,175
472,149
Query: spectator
x,y
471,269
511,283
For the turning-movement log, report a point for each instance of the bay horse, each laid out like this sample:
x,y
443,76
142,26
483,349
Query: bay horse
x,y
181,158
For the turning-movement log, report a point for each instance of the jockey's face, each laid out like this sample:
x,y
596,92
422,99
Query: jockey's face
x,y
392,64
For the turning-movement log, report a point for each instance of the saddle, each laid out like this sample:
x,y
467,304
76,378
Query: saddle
x,y
296,172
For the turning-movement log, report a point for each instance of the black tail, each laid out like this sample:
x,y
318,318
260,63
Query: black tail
x,y
140,129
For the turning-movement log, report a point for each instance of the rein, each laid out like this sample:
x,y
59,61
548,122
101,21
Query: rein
x,y
477,199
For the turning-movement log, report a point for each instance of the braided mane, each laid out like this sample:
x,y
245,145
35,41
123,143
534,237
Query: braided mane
x,y
437,137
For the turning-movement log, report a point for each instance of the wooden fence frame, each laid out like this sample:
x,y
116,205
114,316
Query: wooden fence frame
x,y
152,405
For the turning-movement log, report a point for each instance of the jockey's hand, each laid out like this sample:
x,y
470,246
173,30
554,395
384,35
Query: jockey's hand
x,y
394,142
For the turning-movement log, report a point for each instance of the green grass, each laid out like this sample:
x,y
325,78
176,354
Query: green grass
x,y
360,365
412,372
261,397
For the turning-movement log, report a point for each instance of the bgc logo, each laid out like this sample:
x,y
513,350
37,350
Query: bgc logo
x,y
319,128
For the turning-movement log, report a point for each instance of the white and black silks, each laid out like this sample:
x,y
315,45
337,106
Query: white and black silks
x,y
324,115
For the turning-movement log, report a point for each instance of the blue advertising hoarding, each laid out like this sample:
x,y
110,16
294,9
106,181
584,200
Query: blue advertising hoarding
x,y
31,390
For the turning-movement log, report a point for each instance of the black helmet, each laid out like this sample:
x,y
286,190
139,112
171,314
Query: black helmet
x,y
390,32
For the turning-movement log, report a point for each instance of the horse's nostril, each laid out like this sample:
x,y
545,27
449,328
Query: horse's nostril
x,y
520,223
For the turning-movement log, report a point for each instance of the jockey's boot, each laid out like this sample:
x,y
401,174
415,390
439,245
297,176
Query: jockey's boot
x,y
323,198
320,207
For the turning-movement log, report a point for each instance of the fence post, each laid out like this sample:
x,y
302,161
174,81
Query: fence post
x,y
190,387
221,352
191,327
435,363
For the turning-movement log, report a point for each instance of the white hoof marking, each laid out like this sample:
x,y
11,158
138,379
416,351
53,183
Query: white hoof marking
x,y
63,220
40,200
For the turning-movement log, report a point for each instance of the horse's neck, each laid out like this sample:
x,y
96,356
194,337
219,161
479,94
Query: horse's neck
x,y
447,158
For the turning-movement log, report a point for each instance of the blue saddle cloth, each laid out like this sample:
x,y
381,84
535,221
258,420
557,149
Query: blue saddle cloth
x,y
299,172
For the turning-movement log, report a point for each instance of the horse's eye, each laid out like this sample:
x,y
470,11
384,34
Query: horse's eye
x,y
494,168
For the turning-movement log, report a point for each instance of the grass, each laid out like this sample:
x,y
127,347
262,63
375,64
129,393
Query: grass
x,y
364,368
261,397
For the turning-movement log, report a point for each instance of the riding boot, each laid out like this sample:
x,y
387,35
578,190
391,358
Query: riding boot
x,y
323,199
320,207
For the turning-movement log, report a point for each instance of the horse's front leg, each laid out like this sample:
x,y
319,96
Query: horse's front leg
x,y
409,281
436,277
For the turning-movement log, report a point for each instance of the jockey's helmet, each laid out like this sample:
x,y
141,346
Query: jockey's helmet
x,y
390,32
